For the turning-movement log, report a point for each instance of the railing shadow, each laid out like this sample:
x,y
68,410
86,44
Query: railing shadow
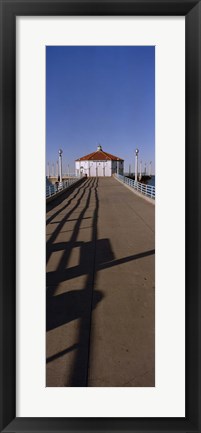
x,y
59,227
68,194
71,305
78,304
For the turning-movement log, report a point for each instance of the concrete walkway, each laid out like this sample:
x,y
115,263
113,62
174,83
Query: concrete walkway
x,y
100,287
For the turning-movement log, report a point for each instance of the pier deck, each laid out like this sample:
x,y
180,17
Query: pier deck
x,y
100,287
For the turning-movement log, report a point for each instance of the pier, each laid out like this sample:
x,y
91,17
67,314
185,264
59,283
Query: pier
x,y
100,287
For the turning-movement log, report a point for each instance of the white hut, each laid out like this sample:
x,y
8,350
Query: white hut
x,y
98,164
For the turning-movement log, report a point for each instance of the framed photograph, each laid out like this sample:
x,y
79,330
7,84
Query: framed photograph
x,y
100,216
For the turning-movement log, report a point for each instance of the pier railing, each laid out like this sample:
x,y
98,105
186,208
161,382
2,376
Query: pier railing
x,y
59,186
148,190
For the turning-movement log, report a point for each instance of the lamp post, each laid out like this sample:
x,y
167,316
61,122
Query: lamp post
x,y
145,168
57,170
140,169
150,168
60,166
48,169
136,163
53,172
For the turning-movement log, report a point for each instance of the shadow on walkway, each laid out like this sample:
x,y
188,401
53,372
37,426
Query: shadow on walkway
x,y
79,303
65,307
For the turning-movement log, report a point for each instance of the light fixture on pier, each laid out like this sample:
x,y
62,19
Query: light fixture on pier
x,y
136,163
53,171
150,168
140,177
60,166
48,169
57,170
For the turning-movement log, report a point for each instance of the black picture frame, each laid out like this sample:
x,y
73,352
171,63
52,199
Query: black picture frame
x,y
8,13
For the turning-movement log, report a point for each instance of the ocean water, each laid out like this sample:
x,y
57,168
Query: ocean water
x,y
148,181
151,181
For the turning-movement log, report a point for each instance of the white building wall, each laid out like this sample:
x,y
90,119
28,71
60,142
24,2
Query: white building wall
x,y
81,167
98,168
108,168
92,172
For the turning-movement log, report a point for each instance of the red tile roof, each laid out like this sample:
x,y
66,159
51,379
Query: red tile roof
x,y
99,155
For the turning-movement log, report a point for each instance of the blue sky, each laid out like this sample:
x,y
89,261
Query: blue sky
x,y
100,94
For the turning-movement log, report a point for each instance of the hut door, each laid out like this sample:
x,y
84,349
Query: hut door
x,y
100,169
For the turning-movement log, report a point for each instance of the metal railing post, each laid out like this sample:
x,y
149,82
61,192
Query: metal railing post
x,y
148,190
